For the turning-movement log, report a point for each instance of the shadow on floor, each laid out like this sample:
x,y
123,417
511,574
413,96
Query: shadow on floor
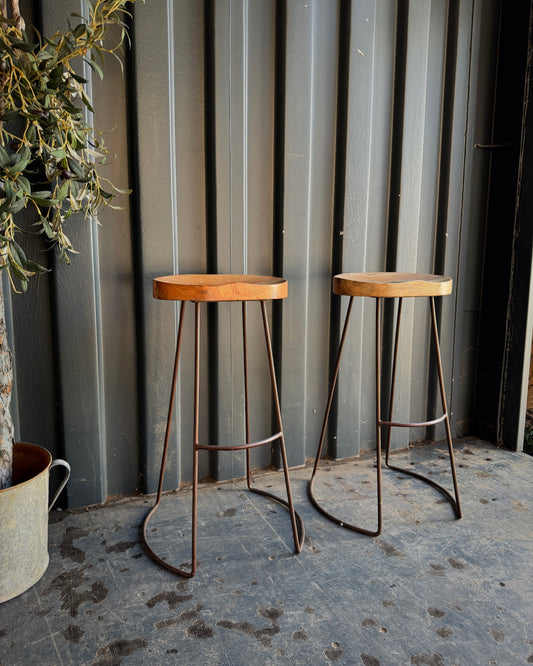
x,y
430,590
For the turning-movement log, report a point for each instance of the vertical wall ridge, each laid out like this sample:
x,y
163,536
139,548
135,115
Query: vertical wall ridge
x,y
443,187
397,126
210,136
211,211
339,197
446,137
278,219
395,185
132,121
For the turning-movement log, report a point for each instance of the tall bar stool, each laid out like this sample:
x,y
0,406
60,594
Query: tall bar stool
x,y
217,288
380,286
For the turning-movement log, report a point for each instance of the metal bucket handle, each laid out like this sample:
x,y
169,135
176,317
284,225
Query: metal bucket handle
x,y
63,463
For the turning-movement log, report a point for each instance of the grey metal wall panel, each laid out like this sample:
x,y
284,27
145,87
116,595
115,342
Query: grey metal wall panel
x,y
478,91
79,344
243,108
361,237
300,58
259,159
191,231
310,109
231,91
298,137
117,300
459,255
415,176
314,384
156,228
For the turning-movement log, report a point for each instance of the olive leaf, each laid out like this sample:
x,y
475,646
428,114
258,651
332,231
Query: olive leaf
x,y
50,155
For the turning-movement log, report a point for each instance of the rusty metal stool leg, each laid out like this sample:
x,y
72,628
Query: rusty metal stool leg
x,y
453,499
298,530
144,527
296,520
457,504
393,377
310,487
378,421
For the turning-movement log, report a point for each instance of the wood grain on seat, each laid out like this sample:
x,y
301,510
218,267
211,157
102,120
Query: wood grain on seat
x,y
215,287
391,285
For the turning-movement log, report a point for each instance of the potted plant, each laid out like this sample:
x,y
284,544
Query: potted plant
x,y
49,172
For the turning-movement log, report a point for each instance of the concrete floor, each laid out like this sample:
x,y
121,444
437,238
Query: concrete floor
x,y
430,591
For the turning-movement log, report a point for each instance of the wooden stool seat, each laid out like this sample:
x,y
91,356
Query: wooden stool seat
x,y
213,287
391,285
380,286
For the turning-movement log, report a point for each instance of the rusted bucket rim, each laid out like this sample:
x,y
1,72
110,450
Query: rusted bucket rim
x,y
40,460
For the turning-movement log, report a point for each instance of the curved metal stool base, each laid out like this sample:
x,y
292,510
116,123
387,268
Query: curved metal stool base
x,y
154,556
299,540
298,545
354,528
338,521
447,494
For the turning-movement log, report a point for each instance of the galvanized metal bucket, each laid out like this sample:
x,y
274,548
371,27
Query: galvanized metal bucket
x,y
24,519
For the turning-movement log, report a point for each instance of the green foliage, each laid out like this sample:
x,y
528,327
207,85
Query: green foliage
x,y
49,153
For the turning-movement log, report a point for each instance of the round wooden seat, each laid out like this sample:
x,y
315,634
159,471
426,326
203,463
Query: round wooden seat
x,y
212,288
391,285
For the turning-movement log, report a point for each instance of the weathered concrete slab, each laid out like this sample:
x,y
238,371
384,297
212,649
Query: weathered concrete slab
x,y
429,591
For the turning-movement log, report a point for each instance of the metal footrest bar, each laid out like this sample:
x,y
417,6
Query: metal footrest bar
x,y
239,447
418,424
144,527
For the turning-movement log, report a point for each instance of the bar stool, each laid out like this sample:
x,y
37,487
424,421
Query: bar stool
x,y
217,288
380,286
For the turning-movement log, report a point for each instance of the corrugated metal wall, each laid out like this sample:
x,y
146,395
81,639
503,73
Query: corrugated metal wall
x,y
293,137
